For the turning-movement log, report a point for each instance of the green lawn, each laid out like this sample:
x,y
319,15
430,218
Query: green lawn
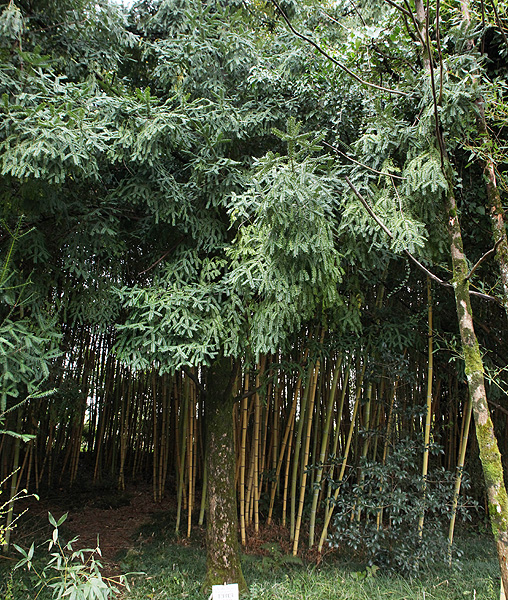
x,y
175,571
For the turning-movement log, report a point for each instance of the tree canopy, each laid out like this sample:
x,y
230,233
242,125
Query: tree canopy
x,y
213,191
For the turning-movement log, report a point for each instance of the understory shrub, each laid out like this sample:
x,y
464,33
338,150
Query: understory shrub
x,y
378,510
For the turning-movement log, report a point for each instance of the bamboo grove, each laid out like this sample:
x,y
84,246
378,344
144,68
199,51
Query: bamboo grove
x,y
241,244
302,421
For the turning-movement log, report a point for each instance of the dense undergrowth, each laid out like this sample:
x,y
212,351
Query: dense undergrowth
x,y
171,567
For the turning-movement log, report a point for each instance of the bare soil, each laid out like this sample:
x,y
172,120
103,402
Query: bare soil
x,y
112,520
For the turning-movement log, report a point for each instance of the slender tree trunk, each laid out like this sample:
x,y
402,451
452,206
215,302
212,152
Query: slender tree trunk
x,y
223,560
495,206
490,456
494,203
489,452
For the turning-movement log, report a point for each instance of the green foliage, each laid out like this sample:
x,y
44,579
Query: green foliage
x,y
69,573
398,489
370,571
11,23
78,37
285,254
6,506
276,559
28,344
175,570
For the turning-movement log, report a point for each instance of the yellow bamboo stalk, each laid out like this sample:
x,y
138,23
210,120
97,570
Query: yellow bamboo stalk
x,y
330,506
250,485
386,447
428,415
163,441
166,431
190,456
243,448
256,444
378,420
180,491
310,414
324,445
459,473
124,432
338,426
286,474
274,447
155,434
104,417
287,436
297,451
365,449
263,453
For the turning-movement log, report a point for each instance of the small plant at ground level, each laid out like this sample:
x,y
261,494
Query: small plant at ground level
x,y
377,516
368,572
70,574
276,559
7,522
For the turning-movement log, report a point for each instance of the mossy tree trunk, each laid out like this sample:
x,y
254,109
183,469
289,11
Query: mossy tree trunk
x,y
489,452
222,547
490,456
494,204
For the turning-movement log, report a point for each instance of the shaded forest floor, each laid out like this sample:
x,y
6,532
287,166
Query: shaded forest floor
x,y
109,517
137,534
119,521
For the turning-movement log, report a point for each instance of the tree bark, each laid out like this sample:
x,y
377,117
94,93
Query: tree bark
x,y
222,547
495,206
490,456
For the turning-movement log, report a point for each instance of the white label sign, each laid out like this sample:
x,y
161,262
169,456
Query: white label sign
x,y
225,592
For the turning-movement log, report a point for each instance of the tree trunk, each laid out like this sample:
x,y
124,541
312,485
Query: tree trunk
x,y
489,452
494,205
222,547
490,456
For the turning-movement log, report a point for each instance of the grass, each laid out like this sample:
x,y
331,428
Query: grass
x,y
175,570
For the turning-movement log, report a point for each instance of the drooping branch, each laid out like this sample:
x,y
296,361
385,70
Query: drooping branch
x,y
331,58
422,267
403,10
163,256
335,149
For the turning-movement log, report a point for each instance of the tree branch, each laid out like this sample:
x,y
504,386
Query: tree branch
x,y
498,21
162,257
193,377
406,252
484,258
329,57
335,149
403,10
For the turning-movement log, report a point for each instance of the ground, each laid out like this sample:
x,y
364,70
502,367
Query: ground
x,y
112,517
117,519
